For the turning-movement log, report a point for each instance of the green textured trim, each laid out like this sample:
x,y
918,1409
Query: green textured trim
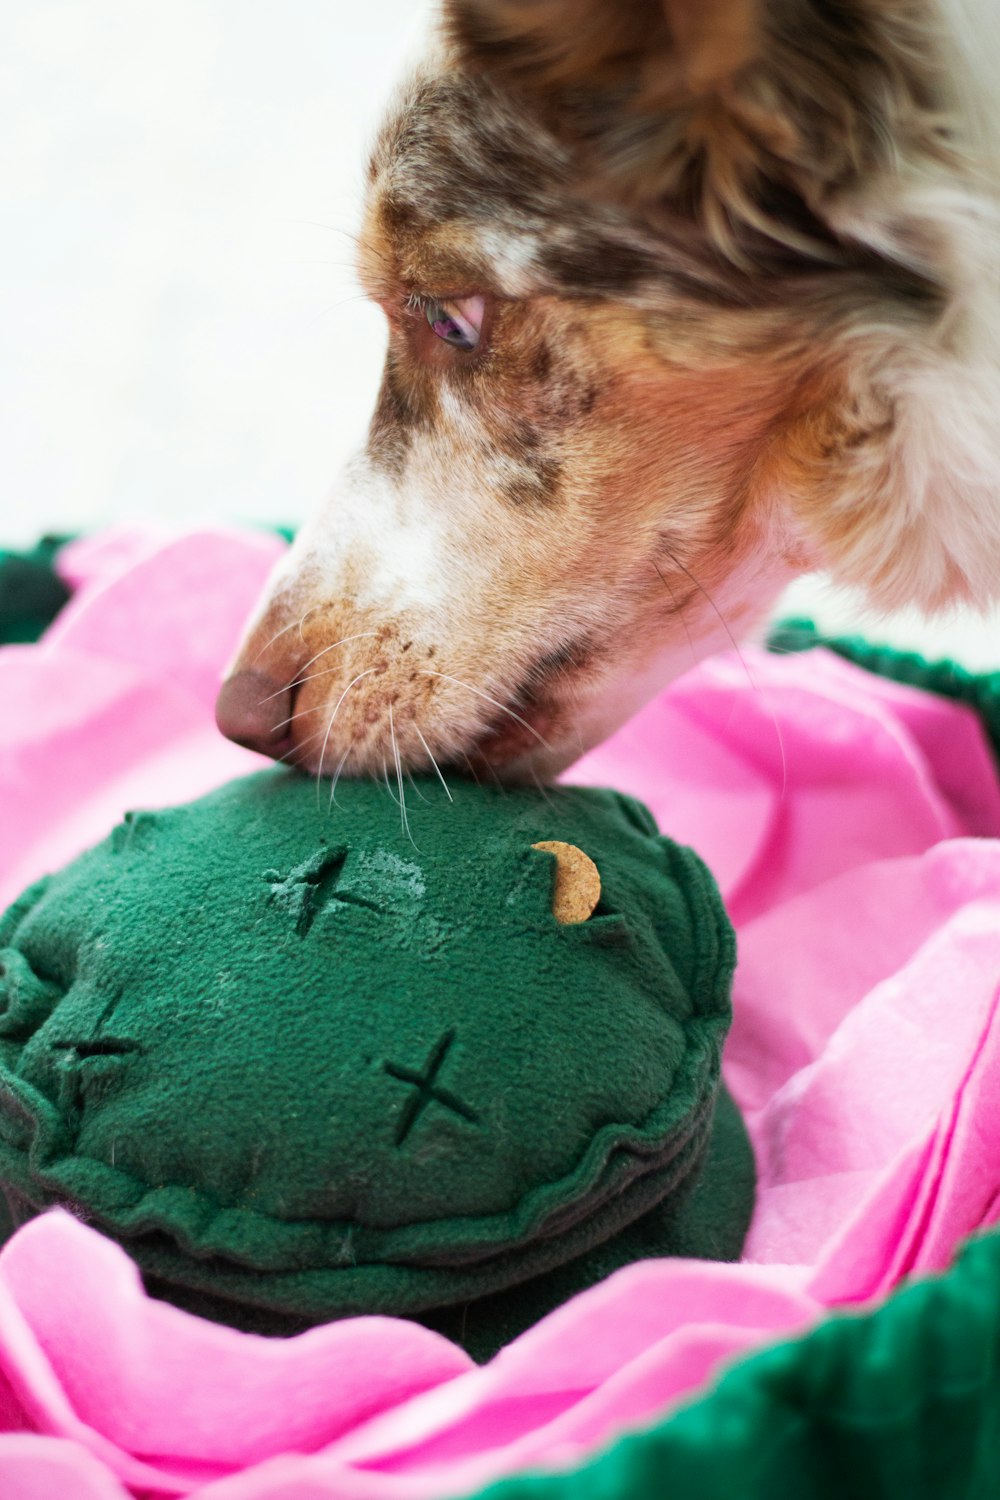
x,y
978,690
902,1402
31,591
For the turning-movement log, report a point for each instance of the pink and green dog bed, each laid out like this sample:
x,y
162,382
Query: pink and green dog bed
x,y
851,818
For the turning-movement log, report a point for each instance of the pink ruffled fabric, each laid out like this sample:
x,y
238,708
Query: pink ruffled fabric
x,y
854,827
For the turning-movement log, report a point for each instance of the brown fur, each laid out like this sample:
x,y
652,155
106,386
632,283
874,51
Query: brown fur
x,y
722,104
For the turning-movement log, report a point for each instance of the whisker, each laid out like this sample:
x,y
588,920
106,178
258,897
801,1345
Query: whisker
x,y
492,772
743,663
324,312
302,713
299,680
336,777
301,746
472,769
447,790
313,676
348,234
540,786
336,711
426,672
413,784
284,631
678,612
399,779
385,778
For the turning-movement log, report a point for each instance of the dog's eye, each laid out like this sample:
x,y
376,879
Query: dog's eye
x,y
457,323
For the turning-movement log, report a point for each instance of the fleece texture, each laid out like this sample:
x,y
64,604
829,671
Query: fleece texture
x,y
305,1064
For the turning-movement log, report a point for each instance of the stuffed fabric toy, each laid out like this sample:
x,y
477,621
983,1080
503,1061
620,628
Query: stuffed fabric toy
x,y
303,1066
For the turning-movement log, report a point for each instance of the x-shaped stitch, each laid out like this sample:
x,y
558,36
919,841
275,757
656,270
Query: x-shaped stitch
x,y
428,1090
311,886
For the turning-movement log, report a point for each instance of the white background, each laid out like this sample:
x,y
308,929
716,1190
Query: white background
x,y
180,334
179,329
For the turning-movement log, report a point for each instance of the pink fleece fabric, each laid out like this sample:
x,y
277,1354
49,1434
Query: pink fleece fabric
x,y
854,826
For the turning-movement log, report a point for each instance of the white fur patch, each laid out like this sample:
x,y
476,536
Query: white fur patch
x,y
385,536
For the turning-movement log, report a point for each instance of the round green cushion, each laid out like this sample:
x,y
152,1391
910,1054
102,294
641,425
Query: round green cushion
x,y
303,1065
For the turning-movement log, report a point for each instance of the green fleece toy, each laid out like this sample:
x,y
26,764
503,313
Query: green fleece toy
x,y
303,1066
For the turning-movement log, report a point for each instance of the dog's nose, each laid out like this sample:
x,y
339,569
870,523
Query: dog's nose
x,y
254,710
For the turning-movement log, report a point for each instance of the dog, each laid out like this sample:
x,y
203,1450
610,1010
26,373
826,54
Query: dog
x,y
684,298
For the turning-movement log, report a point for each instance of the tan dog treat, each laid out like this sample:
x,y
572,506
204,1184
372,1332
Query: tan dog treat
x,y
578,882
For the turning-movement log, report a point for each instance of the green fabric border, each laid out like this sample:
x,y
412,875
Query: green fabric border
x,y
901,1402
31,591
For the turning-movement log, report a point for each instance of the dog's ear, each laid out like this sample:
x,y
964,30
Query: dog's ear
x,y
755,115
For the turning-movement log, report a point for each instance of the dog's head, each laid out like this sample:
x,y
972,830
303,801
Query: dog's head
x,y
684,297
